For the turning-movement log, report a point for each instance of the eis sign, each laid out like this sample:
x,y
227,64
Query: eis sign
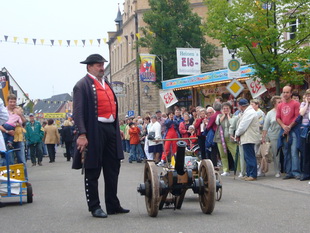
x,y
188,60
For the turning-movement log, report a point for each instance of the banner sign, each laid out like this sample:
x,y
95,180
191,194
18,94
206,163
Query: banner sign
x,y
234,68
235,88
147,72
256,87
168,98
54,115
189,61
205,78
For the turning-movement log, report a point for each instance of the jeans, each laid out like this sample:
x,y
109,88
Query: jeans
x,y
124,145
36,152
20,155
250,159
127,146
134,152
7,137
291,157
44,150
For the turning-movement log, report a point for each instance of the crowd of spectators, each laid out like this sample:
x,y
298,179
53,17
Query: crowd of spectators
x,y
238,136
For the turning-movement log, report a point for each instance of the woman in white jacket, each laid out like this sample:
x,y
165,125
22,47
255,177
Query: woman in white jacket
x,y
155,146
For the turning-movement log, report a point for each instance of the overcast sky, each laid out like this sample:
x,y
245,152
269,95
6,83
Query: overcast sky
x,y
43,71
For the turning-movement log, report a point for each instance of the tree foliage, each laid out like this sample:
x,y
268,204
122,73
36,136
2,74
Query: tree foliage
x,y
172,24
262,32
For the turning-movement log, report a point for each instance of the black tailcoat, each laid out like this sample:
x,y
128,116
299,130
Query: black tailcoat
x,y
85,115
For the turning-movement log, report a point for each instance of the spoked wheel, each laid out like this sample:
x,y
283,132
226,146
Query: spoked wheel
x,y
151,188
207,195
219,186
29,193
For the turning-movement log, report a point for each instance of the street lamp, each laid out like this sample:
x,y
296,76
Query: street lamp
x,y
232,52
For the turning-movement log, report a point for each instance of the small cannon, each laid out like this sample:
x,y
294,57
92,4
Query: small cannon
x,y
175,182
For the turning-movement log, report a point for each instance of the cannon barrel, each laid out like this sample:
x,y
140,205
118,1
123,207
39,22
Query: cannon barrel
x,y
179,160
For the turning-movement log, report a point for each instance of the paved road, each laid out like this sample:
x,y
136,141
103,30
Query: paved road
x,y
267,205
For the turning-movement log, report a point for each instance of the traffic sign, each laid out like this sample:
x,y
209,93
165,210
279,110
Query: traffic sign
x,y
131,113
235,87
234,68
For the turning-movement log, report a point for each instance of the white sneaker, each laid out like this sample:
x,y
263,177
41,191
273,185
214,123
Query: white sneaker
x,y
240,175
260,174
219,163
278,175
225,174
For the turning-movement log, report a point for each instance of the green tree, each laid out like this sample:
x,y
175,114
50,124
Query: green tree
x,y
269,34
172,24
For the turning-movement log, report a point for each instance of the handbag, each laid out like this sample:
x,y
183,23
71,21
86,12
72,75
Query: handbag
x,y
151,136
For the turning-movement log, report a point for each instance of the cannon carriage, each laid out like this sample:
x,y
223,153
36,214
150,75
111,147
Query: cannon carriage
x,y
169,187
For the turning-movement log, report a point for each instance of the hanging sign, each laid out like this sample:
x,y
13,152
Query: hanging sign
x,y
168,98
235,88
147,72
256,87
234,68
188,60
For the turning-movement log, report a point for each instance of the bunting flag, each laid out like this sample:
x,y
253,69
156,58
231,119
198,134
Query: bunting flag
x,y
138,36
119,39
33,41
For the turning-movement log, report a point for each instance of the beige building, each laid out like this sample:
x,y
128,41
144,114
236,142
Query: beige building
x,y
141,97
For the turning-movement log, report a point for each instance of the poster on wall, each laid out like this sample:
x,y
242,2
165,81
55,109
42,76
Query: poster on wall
x,y
168,97
256,87
147,71
188,60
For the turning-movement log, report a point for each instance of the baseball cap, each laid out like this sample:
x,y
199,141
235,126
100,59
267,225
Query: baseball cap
x,y
243,102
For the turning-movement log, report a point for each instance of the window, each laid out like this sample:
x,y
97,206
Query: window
x,y
294,25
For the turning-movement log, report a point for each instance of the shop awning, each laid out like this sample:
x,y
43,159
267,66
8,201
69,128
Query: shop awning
x,y
203,79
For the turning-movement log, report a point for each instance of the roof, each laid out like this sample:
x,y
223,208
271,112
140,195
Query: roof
x,y
53,104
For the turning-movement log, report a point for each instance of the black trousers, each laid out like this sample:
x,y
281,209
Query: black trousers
x,y
68,150
202,146
305,154
110,166
51,152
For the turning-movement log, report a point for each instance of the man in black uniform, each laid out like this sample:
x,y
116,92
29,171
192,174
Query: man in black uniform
x,y
95,116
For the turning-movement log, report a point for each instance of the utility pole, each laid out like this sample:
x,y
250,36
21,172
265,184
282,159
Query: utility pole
x,y
137,67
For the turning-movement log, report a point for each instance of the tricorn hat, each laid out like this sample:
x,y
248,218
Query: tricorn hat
x,y
94,58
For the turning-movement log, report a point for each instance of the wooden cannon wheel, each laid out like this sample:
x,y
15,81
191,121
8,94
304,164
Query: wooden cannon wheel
x,y
207,197
152,188
219,191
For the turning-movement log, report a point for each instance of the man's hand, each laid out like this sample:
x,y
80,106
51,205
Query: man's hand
x,y
11,132
81,143
286,129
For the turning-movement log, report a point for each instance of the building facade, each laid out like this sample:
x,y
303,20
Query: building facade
x,y
140,97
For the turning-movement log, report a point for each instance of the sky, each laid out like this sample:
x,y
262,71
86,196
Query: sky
x,y
45,70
